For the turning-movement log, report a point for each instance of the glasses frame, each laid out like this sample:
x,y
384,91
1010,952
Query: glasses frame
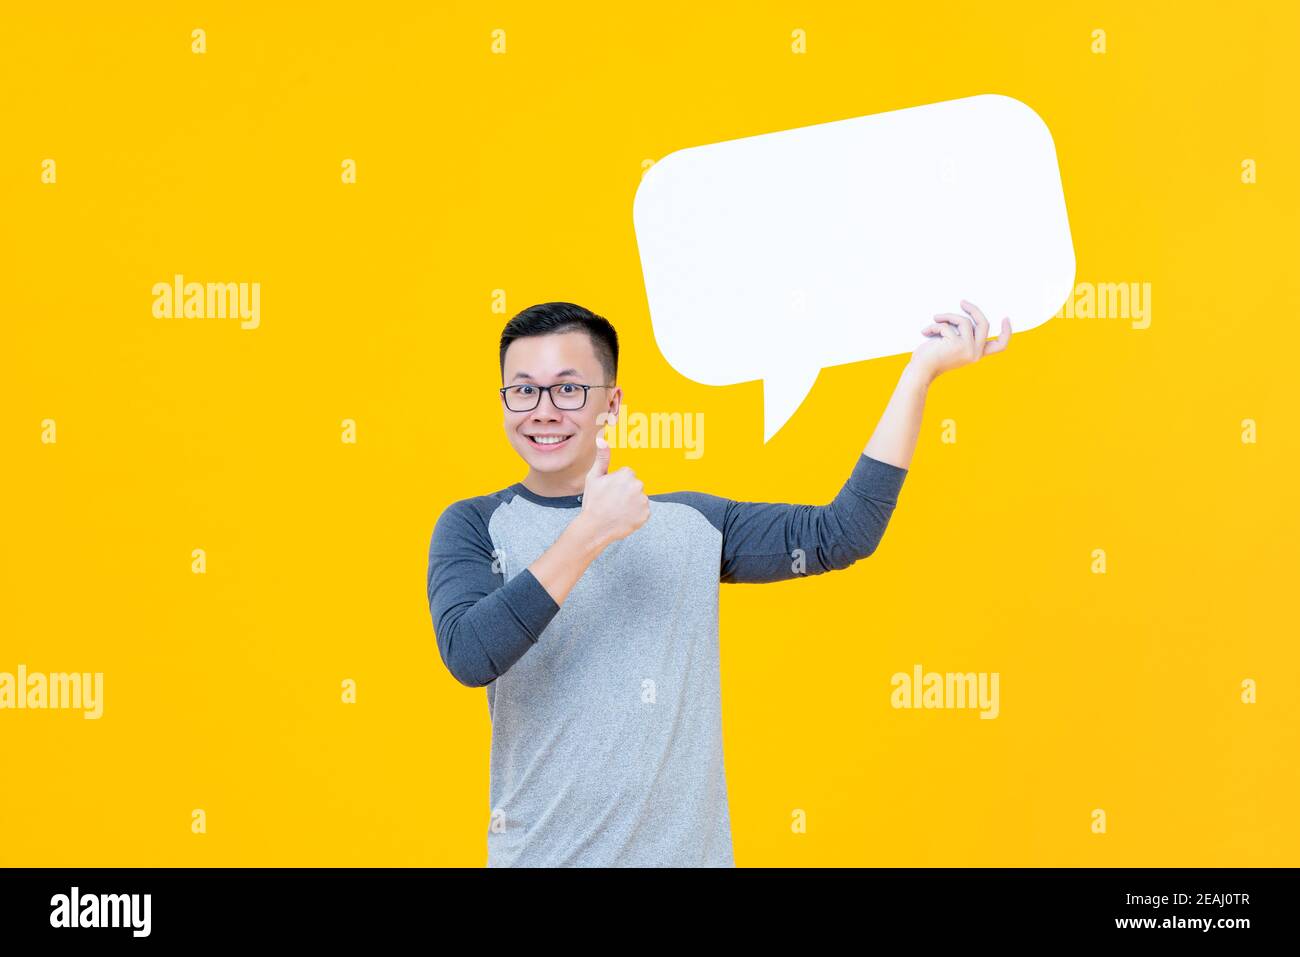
x,y
586,391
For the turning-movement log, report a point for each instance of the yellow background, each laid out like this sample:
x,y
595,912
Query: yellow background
x,y
479,172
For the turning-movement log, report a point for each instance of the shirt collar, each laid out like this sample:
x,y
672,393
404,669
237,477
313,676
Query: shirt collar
x,y
551,501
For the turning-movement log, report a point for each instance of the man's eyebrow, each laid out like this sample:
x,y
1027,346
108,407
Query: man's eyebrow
x,y
559,375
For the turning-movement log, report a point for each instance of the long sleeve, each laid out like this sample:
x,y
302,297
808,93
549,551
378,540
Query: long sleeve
x,y
768,542
483,624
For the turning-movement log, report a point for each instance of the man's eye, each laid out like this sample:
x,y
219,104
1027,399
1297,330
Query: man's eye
x,y
569,388
523,389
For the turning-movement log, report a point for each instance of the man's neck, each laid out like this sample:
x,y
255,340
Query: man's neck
x,y
554,484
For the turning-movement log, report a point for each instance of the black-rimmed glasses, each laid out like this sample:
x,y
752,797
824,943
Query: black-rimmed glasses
x,y
526,397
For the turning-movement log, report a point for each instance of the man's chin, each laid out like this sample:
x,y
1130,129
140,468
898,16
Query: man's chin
x,y
541,462
543,466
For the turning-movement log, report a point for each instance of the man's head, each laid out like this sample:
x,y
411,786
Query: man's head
x,y
563,345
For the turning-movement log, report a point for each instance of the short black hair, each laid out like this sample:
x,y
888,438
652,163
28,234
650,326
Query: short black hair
x,y
549,318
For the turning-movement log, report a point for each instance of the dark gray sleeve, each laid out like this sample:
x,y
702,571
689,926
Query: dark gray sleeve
x,y
483,624
769,542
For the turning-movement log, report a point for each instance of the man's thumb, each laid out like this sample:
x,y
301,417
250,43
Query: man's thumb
x,y
601,465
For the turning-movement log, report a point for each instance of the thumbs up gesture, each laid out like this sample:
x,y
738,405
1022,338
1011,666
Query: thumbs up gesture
x,y
613,503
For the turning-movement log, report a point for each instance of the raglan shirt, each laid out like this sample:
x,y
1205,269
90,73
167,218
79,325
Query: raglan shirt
x,y
606,711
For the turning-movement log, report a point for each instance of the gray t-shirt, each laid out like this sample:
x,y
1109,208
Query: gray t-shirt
x,y
607,711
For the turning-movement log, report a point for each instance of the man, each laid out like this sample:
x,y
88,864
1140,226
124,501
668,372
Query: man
x,y
589,609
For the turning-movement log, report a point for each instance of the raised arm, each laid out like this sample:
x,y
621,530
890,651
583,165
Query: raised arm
x,y
769,541
766,542
953,340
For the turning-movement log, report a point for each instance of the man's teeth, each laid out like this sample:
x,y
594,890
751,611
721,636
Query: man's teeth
x,y
548,439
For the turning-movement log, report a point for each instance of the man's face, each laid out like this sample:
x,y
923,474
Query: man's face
x,y
552,360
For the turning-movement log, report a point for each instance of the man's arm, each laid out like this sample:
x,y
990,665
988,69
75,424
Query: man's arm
x,y
767,542
894,440
953,340
614,506
483,624
770,542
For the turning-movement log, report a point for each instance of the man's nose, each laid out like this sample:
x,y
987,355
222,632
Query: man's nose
x,y
546,408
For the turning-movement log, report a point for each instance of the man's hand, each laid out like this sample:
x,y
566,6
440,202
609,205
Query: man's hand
x,y
954,340
613,505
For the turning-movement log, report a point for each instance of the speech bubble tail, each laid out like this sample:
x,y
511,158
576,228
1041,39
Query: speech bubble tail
x,y
782,398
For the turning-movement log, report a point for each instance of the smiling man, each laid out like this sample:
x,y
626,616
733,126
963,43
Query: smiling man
x,y
589,609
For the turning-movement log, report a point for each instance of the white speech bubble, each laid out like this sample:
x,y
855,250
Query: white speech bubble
x,y
774,256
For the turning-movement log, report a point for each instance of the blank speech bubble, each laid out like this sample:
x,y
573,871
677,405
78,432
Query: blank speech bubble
x,y
773,256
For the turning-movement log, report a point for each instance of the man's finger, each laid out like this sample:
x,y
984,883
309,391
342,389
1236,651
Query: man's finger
x,y
980,322
600,466
959,321
1001,342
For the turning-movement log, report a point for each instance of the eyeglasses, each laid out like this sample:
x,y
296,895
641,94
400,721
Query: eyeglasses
x,y
568,397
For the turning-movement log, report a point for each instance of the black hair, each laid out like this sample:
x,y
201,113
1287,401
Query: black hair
x,y
549,318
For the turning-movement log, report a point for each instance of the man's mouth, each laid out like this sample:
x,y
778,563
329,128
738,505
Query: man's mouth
x,y
549,441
